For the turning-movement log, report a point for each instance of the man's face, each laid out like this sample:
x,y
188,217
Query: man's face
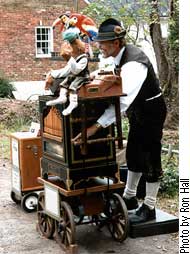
x,y
109,48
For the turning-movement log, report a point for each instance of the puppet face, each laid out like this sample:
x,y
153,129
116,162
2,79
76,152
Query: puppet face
x,y
73,21
66,50
64,19
74,49
78,47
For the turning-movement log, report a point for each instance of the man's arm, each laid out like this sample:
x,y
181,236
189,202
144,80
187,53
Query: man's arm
x,y
131,83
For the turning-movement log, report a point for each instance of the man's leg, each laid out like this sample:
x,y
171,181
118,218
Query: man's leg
x,y
151,194
147,210
130,191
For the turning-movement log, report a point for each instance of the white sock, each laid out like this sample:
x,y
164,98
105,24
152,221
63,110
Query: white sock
x,y
132,183
60,100
151,194
73,98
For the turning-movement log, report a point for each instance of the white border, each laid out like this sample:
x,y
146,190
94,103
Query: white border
x,y
184,126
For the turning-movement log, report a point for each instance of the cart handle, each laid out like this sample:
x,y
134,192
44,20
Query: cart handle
x,y
92,141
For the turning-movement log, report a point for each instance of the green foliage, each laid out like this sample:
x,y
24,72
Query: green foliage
x,y
16,121
15,113
6,87
125,126
97,11
133,14
173,39
20,124
170,181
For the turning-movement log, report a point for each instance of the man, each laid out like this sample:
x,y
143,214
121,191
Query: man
x,y
146,110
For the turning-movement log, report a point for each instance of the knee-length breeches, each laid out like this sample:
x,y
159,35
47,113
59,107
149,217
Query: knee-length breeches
x,y
143,153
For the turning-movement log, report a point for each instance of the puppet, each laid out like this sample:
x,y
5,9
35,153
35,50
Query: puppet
x,y
73,75
80,23
85,24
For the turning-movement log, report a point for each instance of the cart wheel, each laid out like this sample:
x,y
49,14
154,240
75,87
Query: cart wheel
x,y
46,224
29,202
65,227
116,211
15,198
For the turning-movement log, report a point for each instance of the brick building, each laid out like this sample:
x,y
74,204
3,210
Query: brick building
x,y
27,38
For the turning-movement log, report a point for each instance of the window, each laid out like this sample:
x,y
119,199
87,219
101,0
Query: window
x,y
44,41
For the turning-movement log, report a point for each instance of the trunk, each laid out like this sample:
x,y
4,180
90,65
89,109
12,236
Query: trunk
x,y
167,60
164,70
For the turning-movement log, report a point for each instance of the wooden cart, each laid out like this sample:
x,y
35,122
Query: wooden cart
x,y
80,178
93,201
26,151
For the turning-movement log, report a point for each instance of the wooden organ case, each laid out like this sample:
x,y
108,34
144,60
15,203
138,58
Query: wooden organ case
x,y
72,161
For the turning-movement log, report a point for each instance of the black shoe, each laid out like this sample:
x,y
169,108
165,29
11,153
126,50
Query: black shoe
x,y
143,214
131,203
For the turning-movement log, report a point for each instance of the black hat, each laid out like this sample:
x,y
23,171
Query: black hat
x,y
110,29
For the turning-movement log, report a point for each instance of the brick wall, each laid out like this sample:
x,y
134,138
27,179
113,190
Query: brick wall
x,y
18,20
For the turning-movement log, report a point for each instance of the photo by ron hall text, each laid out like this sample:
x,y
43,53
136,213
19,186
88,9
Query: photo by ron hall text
x,y
184,214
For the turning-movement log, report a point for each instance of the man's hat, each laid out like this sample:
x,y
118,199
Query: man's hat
x,y
110,29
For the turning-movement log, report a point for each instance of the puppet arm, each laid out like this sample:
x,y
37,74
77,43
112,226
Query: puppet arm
x,y
77,67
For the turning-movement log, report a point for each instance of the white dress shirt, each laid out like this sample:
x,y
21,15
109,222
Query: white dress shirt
x,y
133,74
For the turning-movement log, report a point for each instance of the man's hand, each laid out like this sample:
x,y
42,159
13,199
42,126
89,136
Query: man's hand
x,y
89,132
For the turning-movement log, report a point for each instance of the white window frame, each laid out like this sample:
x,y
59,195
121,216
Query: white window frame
x,y
43,41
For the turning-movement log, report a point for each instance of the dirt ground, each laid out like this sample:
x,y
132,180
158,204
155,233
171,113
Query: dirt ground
x,y
18,233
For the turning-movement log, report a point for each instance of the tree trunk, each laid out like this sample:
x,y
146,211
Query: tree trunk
x,y
166,57
163,65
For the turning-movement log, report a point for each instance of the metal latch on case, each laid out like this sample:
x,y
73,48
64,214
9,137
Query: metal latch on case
x,y
35,150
